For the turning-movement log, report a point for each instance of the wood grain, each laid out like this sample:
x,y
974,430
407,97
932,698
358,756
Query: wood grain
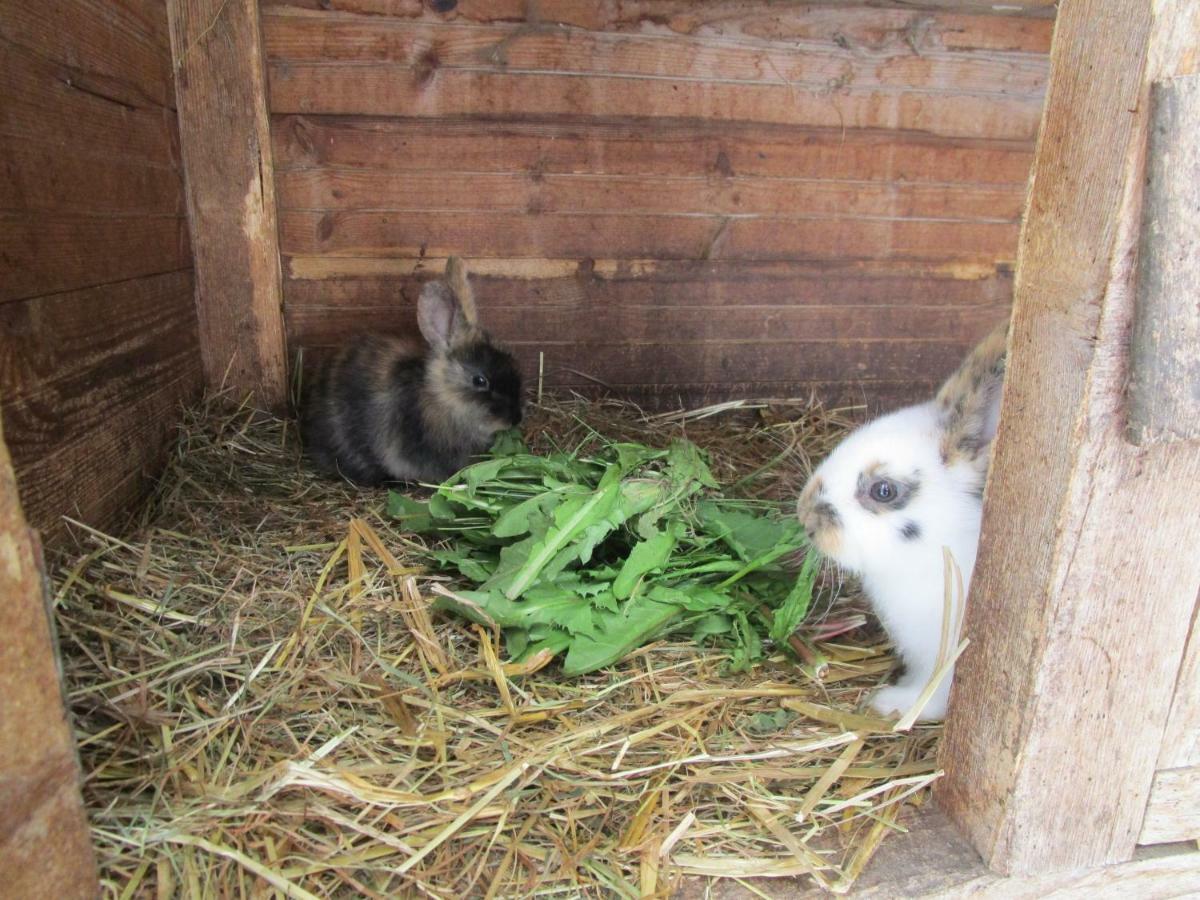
x,y
106,46
626,176
43,253
349,281
1173,810
231,199
45,102
623,148
1086,566
369,233
98,335
939,24
391,90
1181,740
821,67
520,192
93,384
1164,365
45,844
68,179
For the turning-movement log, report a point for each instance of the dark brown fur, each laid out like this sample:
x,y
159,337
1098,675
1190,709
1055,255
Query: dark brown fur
x,y
389,408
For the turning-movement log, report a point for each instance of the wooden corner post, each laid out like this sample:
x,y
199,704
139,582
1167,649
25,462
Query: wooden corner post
x,y
45,845
224,132
1088,569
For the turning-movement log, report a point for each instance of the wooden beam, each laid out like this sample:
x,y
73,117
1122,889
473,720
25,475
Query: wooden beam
x,y
1181,742
223,127
1087,571
45,845
1164,367
1173,812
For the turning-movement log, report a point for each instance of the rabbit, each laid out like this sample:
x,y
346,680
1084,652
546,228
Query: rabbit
x,y
893,494
388,408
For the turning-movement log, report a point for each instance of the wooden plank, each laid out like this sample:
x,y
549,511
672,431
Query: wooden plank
x,y
665,148
357,233
1181,741
1164,367
105,45
652,323
812,66
625,364
45,844
44,102
535,285
92,384
392,90
961,24
66,179
231,194
1087,567
343,189
43,253
1173,811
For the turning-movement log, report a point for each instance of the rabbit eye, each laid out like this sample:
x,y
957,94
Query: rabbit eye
x,y
479,382
883,491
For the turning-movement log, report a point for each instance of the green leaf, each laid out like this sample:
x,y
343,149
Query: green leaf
x,y
686,465
789,614
650,555
619,633
571,518
509,443
413,513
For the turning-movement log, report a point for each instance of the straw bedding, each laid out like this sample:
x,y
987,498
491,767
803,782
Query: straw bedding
x,y
266,707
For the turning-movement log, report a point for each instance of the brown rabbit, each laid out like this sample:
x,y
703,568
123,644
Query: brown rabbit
x,y
387,408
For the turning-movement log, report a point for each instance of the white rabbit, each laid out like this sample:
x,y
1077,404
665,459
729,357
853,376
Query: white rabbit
x,y
893,494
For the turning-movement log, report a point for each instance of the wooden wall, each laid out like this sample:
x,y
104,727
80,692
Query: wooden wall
x,y
97,317
681,201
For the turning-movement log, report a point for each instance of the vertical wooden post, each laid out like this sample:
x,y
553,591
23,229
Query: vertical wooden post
x,y
224,132
1088,569
45,845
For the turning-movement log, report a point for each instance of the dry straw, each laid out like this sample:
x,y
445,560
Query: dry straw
x,y
266,706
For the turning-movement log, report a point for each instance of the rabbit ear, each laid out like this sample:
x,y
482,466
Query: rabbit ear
x,y
456,277
439,315
969,402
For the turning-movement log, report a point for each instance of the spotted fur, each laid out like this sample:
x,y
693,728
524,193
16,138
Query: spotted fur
x,y
934,458
389,408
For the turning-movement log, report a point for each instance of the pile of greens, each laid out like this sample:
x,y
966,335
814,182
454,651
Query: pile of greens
x,y
596,554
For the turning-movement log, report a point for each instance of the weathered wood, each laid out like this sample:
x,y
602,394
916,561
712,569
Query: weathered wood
x,y
624,148
92,383
339,189
231,194
814,67
105,45
938,24
370,233
579,285
44,253
44,101
1164,348
1173,811
35,178
1181,741
45,845
396,90
1087,569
